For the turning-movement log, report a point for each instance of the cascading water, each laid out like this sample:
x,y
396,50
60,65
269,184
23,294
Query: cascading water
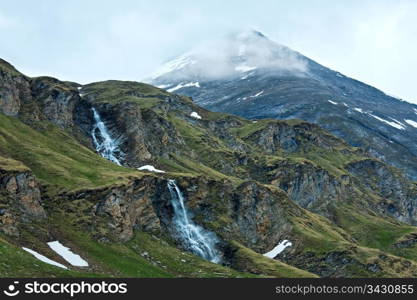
x,y
193,237
105,145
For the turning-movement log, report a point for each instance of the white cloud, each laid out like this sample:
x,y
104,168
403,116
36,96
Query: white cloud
x,y
373,41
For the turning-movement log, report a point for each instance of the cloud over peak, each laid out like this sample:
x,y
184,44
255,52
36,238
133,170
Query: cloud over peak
x,y
236,53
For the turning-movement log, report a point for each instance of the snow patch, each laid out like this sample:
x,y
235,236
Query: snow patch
x,y
244,68
195,115
67,254
163,86
332,102
411,122
150,169
44,258
394,124
181,85
253,96
246,76
174,65
257,94
278,249
396,121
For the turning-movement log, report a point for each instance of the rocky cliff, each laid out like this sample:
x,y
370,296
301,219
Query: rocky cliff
x,y
20,197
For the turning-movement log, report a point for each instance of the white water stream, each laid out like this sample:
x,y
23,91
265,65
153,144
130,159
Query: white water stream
x,y
106,146
193,237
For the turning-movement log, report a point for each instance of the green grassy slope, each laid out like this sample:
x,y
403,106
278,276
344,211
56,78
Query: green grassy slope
x,y
56,158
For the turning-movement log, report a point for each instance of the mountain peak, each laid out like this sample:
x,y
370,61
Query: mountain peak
x,y
249,34
237,53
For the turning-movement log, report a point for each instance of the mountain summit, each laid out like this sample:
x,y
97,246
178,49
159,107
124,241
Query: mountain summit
x,y
249,75
232,57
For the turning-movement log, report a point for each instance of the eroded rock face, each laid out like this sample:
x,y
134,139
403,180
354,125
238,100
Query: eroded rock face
x,y
12,88
129,207
8,223
259,214
23,189
40,98
280,136
21,197
221,129
15,94
277,137
57,102
398,196
310,186
9,98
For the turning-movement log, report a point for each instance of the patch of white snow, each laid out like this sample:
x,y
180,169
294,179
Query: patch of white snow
x,y
278,249
244,68
195,115
257,94
163,86
67,254
183,85
44,258
393,124
411,122
174,65
150,169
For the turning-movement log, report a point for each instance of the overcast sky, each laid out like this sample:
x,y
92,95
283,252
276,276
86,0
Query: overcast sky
x,y
374,41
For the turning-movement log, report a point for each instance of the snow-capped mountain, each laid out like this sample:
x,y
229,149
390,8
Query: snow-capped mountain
x,y
249,75
237,56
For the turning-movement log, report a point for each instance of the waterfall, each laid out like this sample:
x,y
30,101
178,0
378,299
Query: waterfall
x,y
193,237
105,145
